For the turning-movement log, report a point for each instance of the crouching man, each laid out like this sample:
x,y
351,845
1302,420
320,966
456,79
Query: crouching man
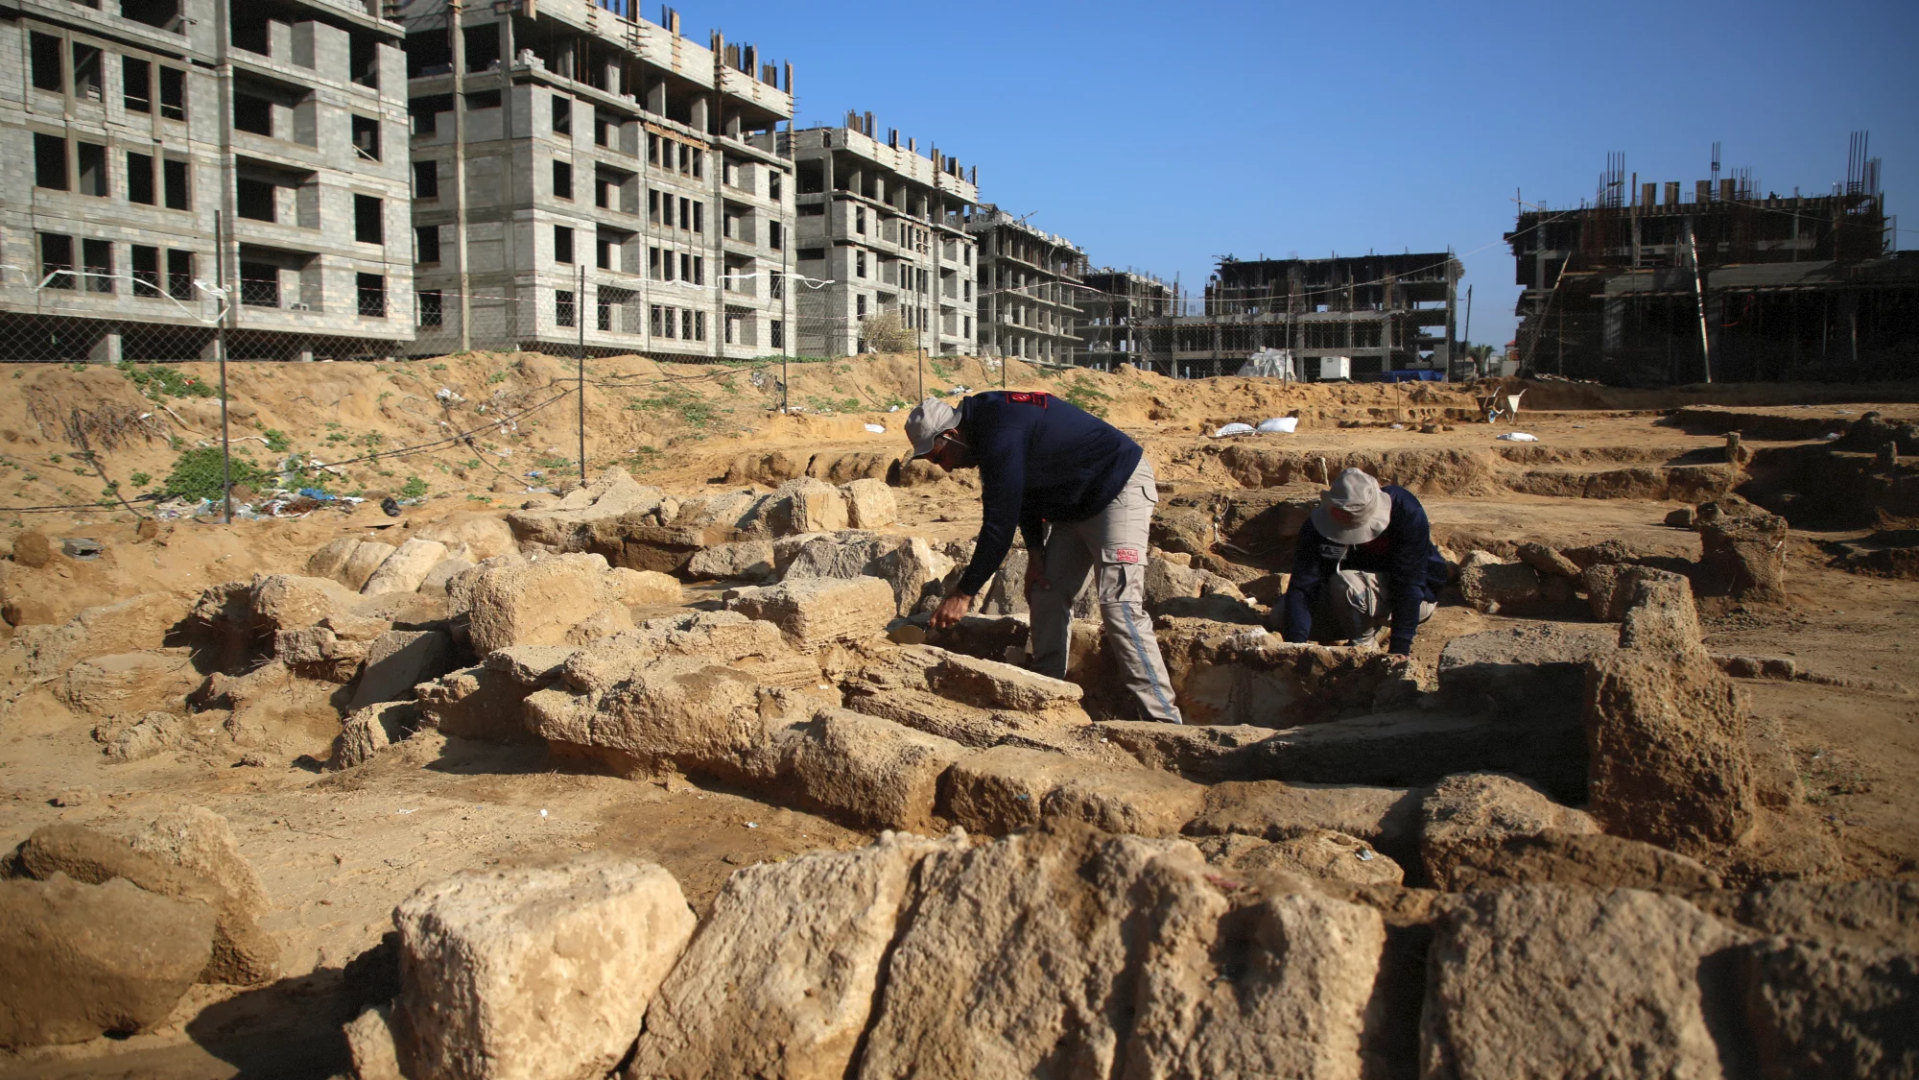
x,y
1368,552
1081,493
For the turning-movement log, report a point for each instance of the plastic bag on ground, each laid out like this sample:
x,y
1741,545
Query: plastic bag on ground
x,y
1233,429
1518,436
1284,425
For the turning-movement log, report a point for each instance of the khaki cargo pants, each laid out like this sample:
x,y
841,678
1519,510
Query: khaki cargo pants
x,y
1109,549
1362,602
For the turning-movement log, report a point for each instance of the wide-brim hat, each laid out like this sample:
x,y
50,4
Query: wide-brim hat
x,y
927,422
1360,495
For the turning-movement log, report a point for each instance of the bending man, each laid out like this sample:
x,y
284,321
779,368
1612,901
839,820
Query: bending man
x,y
1372,548
1082,495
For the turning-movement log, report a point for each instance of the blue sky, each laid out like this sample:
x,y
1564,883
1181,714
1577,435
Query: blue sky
x,y
1161,135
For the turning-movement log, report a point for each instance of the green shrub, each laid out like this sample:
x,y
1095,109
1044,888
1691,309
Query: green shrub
x,y
414,488
140,479
158,381
196,474
277,441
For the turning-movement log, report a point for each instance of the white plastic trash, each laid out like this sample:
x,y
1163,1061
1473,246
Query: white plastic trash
x,y
1518,436
1233,429
1284,425
876,429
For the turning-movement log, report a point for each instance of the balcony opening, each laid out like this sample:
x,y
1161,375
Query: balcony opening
x,y
254,114
254,199
363,60
49,162
425,112
173,94
86,72
482,47
140,178
56,261
428,53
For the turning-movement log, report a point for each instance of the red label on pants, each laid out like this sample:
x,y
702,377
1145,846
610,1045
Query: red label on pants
x,y
1126,555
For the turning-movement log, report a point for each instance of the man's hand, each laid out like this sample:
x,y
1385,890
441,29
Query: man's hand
x,y
1035,579
951,610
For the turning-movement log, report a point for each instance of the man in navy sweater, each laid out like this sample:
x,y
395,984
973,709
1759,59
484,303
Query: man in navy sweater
x,y
1081,494
1372,547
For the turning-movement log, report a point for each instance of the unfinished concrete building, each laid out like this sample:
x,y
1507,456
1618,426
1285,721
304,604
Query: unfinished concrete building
x,y
587,179
172,166
1125,318
880,231
1029,284
1653,285
1383,312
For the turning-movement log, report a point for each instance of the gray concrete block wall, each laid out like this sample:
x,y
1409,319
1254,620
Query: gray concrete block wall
x,y
325,75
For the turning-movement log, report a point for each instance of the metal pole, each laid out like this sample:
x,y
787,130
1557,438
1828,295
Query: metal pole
x,y
1466,336
579,319
220,351
922,373
1699,288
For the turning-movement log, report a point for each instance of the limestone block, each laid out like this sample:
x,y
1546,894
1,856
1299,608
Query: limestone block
x,y
483,535
749,560
571,524
870,504
845,554
286,602
1243,675
370,730
1006,788
483,702
1472,813
1062,902
241,953
317,652
1526,673
537,972
128,683
1387,818
349,560
714,636
1592,860
1660,616
1825,1009
198,839
1551,981
77,960
914,570
1875,913
642,588
1609,588
806,505
686,710
1285,993
1490,585
1548,561
534,604
1667,761
869,769
398,661
1744,557
370,1043
1320,854
818,611
783,975
440,578
406,568
991,684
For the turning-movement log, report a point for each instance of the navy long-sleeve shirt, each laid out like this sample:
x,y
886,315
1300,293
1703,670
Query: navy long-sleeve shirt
x,y
1040,459
1403,555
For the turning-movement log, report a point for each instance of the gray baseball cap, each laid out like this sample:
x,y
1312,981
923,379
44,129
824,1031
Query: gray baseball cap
x,y
928,421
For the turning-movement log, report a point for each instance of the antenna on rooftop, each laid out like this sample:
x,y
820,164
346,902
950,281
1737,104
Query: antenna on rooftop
x,y
1715,170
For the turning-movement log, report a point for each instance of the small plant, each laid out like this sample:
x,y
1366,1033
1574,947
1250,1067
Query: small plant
x,y
497,377
372,440
695,410
1087,396
56,458
197,473
414,488
277,441
159,382
831,404
944,371
642,457
384,394
338,437
436,367
140,479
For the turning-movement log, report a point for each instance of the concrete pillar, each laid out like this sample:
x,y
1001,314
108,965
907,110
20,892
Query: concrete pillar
x,y
700,106
656,98
106,348
280,40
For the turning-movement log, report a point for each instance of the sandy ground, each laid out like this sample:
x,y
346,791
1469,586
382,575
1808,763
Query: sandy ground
x,y
336,852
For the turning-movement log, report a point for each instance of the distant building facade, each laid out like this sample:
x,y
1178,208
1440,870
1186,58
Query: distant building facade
x,y
880,231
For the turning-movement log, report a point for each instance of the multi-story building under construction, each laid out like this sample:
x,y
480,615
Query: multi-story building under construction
x,y
587,179
1125,318
178,167
1645,287
1384,312
880,231
1029,281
